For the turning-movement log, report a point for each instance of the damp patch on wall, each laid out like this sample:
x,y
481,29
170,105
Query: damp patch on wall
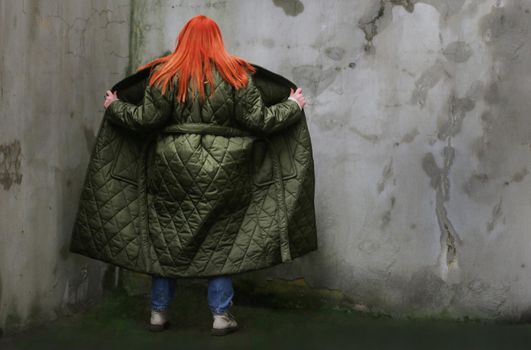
x,y
10,162
290,7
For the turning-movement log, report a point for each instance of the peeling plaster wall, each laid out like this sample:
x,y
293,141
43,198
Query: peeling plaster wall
x,y
419,112
58,57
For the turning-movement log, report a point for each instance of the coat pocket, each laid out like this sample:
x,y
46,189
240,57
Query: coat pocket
x,y
263,153
125,165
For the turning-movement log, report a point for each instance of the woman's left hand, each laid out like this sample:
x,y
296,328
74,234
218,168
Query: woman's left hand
x,y
110,97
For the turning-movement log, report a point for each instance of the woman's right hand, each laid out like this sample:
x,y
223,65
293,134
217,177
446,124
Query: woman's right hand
x,y
297,95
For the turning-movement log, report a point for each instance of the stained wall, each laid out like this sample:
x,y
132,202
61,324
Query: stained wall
x,y
57,59
419,113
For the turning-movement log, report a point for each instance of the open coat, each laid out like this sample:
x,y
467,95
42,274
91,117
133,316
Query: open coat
x,y
199,188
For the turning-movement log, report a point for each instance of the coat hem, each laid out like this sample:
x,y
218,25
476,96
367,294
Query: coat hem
x,y
142,271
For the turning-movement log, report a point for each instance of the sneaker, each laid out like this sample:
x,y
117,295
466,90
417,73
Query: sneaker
x,y
223,324
158,321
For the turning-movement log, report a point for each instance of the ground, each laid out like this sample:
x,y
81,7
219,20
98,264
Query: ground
x,y
119,320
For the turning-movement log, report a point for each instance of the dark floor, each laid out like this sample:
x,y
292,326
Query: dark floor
x,y
118,322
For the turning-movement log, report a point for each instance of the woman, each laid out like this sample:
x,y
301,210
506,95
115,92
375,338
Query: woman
x,y
201,83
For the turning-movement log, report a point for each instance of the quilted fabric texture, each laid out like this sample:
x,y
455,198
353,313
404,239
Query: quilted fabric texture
x,y
201,188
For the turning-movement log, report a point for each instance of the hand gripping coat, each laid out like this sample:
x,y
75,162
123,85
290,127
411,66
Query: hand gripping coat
x,y
198,189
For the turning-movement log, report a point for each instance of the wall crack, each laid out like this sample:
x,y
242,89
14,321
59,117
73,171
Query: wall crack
x,y
449,238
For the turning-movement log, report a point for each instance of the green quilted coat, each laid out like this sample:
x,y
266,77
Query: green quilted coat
x,y
200,188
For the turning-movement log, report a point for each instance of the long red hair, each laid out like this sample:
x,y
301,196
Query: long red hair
x,y
199,45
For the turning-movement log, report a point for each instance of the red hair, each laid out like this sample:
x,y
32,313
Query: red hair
x,y
199,45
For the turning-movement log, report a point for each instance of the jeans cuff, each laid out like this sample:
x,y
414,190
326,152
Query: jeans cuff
x,y
218,312
158,308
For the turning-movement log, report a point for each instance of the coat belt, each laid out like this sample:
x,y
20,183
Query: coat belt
x,y
205,129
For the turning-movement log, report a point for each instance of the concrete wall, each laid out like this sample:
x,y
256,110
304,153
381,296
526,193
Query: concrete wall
x,y
419,112
419,117
57,59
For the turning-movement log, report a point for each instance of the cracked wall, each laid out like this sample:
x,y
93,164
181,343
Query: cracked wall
x,y
58,58
419,115
418,112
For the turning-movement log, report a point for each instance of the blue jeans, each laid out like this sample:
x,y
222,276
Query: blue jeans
x,y
220,293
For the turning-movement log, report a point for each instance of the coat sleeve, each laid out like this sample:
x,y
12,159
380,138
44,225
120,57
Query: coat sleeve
x,y
251,111
154,111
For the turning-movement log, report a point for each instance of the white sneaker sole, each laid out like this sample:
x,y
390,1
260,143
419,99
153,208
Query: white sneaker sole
x,y
223,331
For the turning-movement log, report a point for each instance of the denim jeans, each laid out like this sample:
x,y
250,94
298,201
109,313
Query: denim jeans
x,y
220,293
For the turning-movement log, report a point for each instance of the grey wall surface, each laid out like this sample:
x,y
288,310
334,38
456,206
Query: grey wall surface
x,y
419,112
57,59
